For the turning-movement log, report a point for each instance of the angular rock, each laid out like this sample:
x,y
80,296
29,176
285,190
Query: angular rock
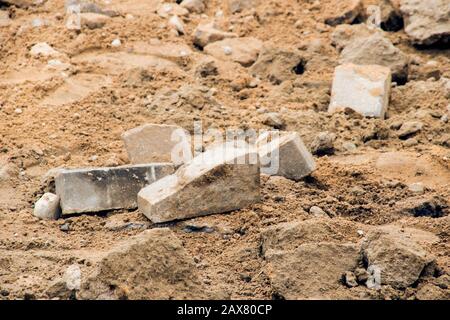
x,y
290,235
234,6
312,271
244,51
345,33
308,259
176,23
168,9
5,20
157,143
398,254
197,6
391,19
420,206
278,65
377,50
21,3
323,143
427,22
219,180
345,11
43,49
409,128
151,265
284,154
98,189
364,89
208,33
47,207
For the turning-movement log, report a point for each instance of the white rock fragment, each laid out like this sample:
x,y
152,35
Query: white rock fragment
x,y
43,49
365,89
284,154
47,207
221,179
176,23
157,143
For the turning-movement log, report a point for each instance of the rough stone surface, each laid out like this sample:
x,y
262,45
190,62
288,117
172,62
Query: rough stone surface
x,y
323,143
409,128
422,206
98,189
311,271
391,19
5,20
284,154
427,22
345,33
219,180
155,143
364,89
244,51
93,20
345,12
397,254
151,265
197,6
240,5
208,33
377,50
47,207
168,9
277,65
43,49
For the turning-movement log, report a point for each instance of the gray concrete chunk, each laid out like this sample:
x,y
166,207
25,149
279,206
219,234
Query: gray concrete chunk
x,y
155,143
284,154
98,189
221,179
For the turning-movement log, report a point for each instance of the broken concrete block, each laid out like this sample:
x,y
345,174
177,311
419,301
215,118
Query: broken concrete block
x,y
98,189
208,33
364,89
427,22
221,179
284,154
47,207
244,51
157,143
